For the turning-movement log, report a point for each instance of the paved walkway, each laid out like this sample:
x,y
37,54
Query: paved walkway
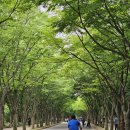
x,y
62,126
19,128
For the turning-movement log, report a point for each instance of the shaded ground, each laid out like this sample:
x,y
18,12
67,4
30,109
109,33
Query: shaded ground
x,y
62,126
19,128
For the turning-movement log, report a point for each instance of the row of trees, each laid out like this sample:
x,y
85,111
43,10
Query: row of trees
x,y
32,76
103,44
28,67
41,75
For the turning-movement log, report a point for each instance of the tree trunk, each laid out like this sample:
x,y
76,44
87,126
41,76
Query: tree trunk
x,y
54,118
41,123
1,115
111,118
40,116
48,120
14,119
127,120
24,124
96,120
37,119
111,122
41,120
11,118
24,121
33,121
106,122
51,116
34,114
121,117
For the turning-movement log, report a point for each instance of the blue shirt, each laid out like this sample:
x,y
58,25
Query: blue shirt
x,y
73,124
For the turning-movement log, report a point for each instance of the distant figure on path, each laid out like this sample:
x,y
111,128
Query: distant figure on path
x,y
29,121
83,122
88,124
116,122
74,124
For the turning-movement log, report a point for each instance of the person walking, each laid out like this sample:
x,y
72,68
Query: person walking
x,y
83,122
88,124
74,124
116,122
29,121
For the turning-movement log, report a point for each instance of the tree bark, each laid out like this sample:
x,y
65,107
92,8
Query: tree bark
x,y
121,117
24,124
1,115
33,121
37,119
127,120
106,123
14,119
111,117
24,121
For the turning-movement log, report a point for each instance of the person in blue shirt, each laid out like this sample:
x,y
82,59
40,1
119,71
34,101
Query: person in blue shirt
x,y
74,124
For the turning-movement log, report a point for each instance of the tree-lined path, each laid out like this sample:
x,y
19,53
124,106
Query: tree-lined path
x,y
64,57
